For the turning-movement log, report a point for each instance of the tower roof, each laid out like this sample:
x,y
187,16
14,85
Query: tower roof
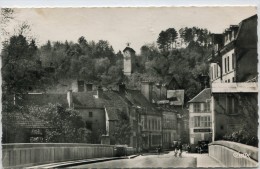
x,y
130,49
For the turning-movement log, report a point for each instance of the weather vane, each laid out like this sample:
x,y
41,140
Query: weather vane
x,y
128,44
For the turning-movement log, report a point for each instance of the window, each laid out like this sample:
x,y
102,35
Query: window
x,y
228,63
89,125
225,65
205,121
80,86
196,121
145,123
215,70
207,107
196,107
211,69
233,79
149,124
90,114
231,106
228,81
233,61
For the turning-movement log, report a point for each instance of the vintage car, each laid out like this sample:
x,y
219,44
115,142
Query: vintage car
x,y
202,147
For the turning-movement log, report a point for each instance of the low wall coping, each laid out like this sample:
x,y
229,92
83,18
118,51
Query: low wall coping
x,y
238,147
43,145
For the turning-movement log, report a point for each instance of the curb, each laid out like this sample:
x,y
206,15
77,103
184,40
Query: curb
x,y
79,162
132,156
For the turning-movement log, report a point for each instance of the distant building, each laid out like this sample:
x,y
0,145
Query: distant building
x,y
129,60
200,117
233,71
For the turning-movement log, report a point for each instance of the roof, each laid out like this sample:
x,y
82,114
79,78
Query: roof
x,y
107,99
130,49
112,113
24,120
202,96
86,99
42,99
176,97
138,99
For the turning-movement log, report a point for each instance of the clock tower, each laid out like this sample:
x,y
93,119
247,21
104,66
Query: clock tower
x,y
129,60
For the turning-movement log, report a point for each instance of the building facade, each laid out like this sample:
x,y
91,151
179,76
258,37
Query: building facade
x,y
200,117
233,73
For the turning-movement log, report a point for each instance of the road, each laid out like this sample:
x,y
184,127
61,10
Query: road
x,y
146,161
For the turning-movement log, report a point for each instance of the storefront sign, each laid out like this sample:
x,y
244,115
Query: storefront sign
x,y
201,130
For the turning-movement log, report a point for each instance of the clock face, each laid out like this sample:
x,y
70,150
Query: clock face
x,y
127,55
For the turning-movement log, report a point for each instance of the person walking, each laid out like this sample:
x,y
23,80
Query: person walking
x,y
180,149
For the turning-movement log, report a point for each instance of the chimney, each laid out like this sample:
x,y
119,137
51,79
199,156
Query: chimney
x,y
81,86
69,98
89,86
121,88
147,89
99,92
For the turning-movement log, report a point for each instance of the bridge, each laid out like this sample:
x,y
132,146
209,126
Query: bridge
x,y
222,153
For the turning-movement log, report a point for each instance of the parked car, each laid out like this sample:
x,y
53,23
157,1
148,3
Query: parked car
x,y
202,147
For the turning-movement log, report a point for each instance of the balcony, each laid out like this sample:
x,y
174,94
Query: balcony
x,y
250,87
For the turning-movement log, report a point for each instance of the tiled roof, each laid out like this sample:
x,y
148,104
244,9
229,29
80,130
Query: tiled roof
x,y
202,96
86,99
24,120
138,99
112,113
42,99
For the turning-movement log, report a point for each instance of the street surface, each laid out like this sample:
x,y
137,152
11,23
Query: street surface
x,y
146,161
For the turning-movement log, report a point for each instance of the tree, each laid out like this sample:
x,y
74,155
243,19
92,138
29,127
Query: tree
x,y
66,125
163,40
172,33
19,65
166,39
122,130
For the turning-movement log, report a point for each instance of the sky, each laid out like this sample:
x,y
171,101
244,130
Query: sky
x,y
137,26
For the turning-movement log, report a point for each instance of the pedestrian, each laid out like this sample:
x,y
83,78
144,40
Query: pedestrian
x,y
175,149
180,149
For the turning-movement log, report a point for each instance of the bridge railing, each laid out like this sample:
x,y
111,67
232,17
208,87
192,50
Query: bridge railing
x,y
28,154
232,154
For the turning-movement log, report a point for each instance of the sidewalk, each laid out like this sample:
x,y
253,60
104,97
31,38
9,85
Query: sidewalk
x,y
79,162
204,160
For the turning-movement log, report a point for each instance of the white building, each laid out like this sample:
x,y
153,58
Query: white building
x,y
200,117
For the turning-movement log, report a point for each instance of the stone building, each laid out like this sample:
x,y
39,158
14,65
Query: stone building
x,y
233,71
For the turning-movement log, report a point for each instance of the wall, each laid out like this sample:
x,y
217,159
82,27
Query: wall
x,y
227,153
23,154
98,120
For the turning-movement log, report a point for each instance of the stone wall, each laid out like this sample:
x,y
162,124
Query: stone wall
x,y
232,154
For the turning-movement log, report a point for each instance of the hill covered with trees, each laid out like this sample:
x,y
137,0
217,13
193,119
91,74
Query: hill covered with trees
x,y
44,67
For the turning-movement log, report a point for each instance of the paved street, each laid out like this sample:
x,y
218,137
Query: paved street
x,y
147,161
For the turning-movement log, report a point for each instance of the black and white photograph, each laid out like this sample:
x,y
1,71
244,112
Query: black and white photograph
x,y
129,87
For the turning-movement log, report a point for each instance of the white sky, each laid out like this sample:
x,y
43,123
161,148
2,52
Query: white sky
x,y
121,25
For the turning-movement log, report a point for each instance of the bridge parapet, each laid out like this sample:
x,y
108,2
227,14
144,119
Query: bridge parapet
x,y
232,154
29,154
